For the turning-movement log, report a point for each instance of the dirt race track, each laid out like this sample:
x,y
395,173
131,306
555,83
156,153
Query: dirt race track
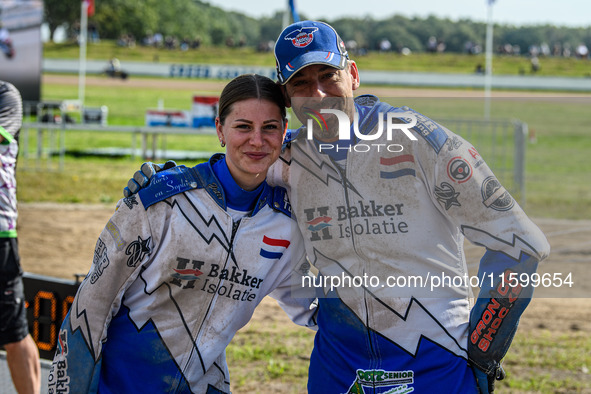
x,y
217,86
58,240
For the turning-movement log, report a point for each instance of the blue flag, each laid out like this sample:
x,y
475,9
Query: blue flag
x,y
294,12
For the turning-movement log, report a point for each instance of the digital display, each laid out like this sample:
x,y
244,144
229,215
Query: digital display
x,y
48,301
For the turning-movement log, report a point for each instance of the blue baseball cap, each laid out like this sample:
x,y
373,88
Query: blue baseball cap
x,y
308,42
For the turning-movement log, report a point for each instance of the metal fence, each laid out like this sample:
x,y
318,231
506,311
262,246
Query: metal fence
x,y
50,139
502,145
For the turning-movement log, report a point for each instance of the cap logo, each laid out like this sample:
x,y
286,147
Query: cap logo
x,y
301,38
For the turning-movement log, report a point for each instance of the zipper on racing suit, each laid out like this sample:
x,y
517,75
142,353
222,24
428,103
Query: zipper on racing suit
x,y
235,225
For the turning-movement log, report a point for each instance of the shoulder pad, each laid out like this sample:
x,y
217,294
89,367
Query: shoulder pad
x,y
280,201
427,128
290,135
367,100
432,132
375,114
276,198
167,183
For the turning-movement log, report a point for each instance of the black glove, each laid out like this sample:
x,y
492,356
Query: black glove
x,y
495,316
142,177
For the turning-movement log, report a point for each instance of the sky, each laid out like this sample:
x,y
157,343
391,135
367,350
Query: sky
x,y
571,13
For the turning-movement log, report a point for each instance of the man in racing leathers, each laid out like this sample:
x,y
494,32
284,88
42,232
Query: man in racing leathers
x,y
398,209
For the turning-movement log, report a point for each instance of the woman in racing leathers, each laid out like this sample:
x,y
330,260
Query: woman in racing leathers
x,y
181,266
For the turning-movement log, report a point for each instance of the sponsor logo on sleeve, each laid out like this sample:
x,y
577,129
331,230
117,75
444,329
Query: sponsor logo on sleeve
x,y
446,194
137,250
459,170
100,261
495,196
130,201
116,234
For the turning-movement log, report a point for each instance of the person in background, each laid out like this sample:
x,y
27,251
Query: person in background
x,y
180,268
22,354
6,46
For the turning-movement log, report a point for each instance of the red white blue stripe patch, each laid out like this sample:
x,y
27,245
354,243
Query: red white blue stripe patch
x,y
273,248
397,166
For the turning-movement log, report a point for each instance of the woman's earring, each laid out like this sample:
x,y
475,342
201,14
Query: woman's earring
x,y
222,143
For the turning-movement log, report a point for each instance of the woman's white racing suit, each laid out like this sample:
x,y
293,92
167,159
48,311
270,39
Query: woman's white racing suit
x,y
172,280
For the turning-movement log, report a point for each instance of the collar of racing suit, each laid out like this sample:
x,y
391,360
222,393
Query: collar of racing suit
x,y
179,179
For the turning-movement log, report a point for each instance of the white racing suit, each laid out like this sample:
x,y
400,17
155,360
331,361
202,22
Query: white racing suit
x,y
385,232
173,279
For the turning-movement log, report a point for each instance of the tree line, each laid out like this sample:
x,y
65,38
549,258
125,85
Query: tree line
x,y
199,22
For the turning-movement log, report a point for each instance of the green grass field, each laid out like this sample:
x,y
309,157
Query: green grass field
x,y
538,362
445,62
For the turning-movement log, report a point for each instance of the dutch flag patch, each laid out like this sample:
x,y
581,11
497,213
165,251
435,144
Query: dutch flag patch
x,y
273,248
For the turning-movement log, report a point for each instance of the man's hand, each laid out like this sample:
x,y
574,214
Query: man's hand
x,y
486,383
142,177
494,318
